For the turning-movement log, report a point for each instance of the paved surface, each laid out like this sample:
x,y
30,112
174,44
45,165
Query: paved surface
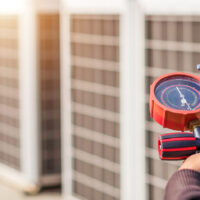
x,y
7,193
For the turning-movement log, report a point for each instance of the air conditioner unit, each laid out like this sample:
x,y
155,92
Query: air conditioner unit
x,y
165,31
30,155
171,39
102,67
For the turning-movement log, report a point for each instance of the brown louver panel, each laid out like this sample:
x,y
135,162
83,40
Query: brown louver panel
x,y
49,70
9,92
95,106
172,44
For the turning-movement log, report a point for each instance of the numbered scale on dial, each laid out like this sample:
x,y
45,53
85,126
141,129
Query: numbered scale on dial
x,y
175,104
179,92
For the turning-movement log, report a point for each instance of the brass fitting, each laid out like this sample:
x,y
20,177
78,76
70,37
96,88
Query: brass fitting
x,y
193,124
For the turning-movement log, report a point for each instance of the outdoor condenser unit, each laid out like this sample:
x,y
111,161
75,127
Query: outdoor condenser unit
x,y
97,164
101,140
30,155
172,44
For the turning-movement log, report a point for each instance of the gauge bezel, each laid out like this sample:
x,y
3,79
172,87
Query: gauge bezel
x,y
171,75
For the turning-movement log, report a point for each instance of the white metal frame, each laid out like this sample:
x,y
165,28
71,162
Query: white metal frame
x,y
132,104
48,6
132,84
27,178
29,99
65,100
171,7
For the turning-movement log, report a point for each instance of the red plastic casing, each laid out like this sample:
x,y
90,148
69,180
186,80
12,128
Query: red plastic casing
x,y
168,117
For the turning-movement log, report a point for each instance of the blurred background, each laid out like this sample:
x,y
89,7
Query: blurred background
x,y
74,90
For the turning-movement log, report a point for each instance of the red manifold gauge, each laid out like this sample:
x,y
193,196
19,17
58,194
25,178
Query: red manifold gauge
x,y
175,104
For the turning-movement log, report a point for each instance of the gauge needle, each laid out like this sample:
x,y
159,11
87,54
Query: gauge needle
x,y
183,100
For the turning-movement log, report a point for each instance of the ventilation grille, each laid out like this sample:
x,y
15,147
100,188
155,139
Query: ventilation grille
x,y
172,44
95,106
9,92
50,92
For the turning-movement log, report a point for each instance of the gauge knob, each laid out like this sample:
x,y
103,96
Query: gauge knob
x,y
175,100
177,146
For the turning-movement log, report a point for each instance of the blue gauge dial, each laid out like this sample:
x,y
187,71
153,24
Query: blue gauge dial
x,y
179,92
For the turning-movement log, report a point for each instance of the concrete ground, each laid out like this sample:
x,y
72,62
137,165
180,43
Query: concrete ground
x,y
7,193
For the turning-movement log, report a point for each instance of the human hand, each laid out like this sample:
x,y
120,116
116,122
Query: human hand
x,y
192,162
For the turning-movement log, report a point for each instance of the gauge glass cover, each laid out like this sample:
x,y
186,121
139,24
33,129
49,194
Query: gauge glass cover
x,y
179,92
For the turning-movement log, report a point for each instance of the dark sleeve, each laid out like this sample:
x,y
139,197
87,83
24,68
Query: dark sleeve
x,y
183,185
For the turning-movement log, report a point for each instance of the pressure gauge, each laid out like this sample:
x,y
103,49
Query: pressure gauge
x,y
175,100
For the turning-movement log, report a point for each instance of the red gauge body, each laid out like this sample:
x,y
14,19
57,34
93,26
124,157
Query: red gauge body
x,y
169,117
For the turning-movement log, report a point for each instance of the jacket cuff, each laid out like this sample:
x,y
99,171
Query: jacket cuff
x,y
186,177
183,185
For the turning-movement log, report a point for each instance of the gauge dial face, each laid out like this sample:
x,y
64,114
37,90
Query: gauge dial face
x,y
179,92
